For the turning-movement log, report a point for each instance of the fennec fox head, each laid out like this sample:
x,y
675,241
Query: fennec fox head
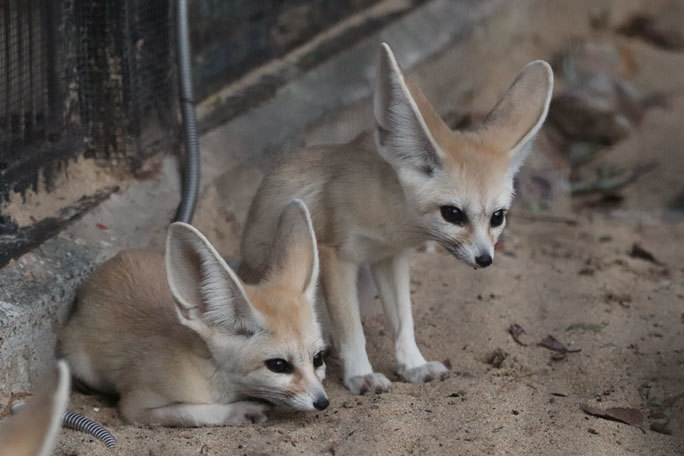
x,y
458,184
33,431
265,339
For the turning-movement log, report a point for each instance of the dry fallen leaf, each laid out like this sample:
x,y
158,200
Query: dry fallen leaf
x,y
554,344
640,252
515,330
626,415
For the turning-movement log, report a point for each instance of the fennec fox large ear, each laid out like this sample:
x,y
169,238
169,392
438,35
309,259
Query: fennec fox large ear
x,y
208,294
33,431
294,255
519,115
402,135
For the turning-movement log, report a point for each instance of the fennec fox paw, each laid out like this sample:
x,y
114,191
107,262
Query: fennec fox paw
x,y
428,372
368,384
247,412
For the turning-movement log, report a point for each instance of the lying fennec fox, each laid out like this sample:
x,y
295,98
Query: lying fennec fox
x,y
374,199
33,430
185,343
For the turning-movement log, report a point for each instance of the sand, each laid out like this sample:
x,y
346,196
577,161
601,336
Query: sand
x,y
550,276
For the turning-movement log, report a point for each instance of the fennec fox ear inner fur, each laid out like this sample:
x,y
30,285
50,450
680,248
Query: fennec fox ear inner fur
x,y
293,260
207,292
401,130
33,431
517,117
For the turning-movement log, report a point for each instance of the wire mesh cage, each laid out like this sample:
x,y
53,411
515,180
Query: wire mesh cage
x,y
93,78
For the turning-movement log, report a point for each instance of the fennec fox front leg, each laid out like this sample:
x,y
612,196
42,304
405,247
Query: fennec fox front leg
x,y
339,280
191,415
392,280
408,181
185,343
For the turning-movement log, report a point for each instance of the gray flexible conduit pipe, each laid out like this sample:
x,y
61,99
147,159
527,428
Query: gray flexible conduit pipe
x,y
191,175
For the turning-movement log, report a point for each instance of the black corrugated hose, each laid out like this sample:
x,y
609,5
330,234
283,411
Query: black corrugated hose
x,y
81,423
191,175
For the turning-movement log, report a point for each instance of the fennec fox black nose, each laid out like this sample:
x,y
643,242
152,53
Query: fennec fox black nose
x,y
321,403
483,260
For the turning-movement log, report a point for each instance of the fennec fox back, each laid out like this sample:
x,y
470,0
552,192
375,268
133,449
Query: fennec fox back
x,y
410,180
34,429
185,343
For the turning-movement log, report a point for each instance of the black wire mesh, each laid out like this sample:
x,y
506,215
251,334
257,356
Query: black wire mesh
x,y
84,77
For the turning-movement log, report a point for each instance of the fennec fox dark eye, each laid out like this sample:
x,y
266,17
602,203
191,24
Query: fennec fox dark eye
x,y
318,360
279,366
498,218
454,215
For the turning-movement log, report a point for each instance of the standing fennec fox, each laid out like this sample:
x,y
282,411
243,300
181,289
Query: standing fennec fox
x,y
185,343
34,429
374,199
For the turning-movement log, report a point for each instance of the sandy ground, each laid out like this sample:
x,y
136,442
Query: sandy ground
x,y
570,276
550,276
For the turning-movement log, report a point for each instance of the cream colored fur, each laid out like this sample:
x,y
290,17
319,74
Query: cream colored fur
x,y
376,198
184,342
33,430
